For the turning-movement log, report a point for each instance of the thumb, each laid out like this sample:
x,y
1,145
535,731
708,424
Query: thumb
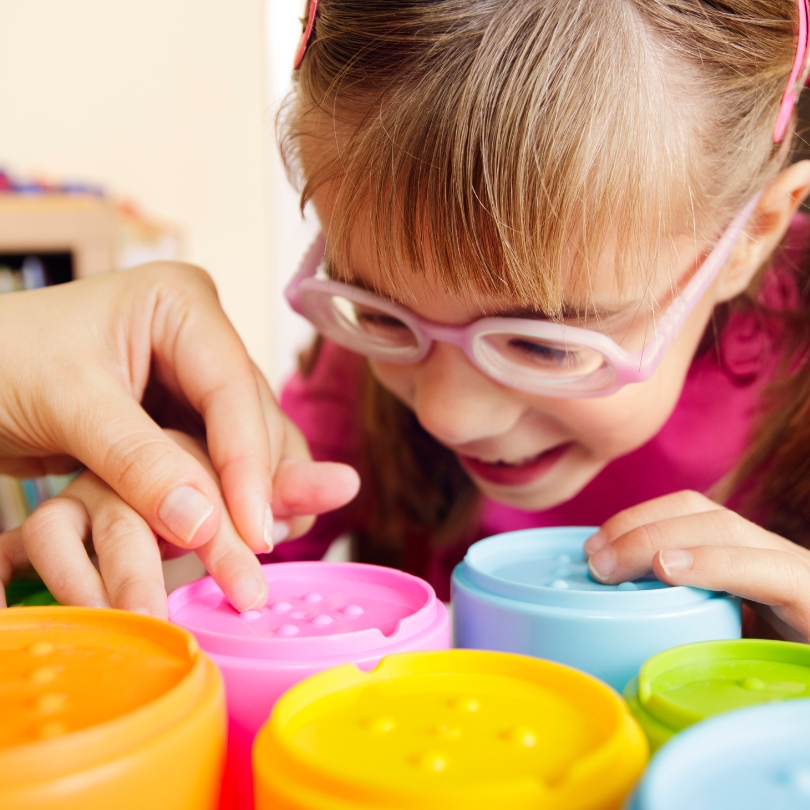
x,y
131,453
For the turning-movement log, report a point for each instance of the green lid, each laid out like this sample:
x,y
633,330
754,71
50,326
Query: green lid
x,y
683,685
27,592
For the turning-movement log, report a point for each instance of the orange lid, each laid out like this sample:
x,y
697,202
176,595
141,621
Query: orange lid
x,y
80,687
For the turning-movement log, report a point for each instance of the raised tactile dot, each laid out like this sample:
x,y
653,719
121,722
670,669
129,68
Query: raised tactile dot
x,y
559,584
250,616
281,607
564,559
432,762
562,573
287,630
466,704
40,648
447,732
298,615
353,610
323,620
43,675
313,598
51,730
627,586
521,736
382,724
51,702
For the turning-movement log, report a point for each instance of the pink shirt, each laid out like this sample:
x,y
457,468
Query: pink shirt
x,y
703,440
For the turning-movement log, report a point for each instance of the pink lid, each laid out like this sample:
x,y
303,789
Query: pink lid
x,y
315,610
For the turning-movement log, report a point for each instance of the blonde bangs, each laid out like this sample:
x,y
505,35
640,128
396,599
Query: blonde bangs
x,y
509,156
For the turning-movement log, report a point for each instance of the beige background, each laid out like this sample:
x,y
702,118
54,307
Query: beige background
x,y
170,103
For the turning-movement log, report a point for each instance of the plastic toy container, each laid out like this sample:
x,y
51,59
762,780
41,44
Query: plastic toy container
x,y
530,592
319,615
106,710
754,759
445,731
680,687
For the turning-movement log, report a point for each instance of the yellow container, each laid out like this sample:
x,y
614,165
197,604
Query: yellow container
x,y
106,710
456,729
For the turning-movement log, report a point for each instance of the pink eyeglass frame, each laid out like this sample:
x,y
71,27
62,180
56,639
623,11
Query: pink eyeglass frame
x,y
304,294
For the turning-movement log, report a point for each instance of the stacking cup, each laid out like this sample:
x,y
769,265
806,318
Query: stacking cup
x,y
319,615
106,710
453,730
752,759
530,592
683,686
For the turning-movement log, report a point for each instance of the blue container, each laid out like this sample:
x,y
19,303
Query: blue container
x,y
751,759
530,592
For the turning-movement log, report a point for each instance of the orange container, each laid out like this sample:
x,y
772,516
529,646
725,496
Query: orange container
x,y
106,710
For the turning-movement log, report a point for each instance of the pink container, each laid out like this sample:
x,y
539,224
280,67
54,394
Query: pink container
x,y
319,615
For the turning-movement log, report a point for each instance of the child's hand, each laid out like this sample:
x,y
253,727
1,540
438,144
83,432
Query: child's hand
x,y
129,575
686,539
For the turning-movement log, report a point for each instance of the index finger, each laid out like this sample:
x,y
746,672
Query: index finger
x,y
198,352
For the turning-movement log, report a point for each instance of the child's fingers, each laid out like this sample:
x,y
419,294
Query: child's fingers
x,y
127,550
54,537
303,489
630,556
685,502
776,578
12,558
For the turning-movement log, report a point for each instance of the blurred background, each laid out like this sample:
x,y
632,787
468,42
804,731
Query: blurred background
x,y
145,130
167,106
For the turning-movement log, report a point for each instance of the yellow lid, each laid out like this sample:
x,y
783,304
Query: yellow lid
x,y
458,728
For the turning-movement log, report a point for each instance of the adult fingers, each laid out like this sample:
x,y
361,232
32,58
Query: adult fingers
x,y
161,481
776,578
198,352
685,502
630,556
127,550
230,562
12,558
54,537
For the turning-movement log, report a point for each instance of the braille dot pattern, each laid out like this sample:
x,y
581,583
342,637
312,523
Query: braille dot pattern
x,y
563,572
296,611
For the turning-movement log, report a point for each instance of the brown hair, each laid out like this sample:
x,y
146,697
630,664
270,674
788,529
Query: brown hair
x,y
541,132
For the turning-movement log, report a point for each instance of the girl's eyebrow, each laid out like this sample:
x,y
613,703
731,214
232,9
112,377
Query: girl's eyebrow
x,y
569,312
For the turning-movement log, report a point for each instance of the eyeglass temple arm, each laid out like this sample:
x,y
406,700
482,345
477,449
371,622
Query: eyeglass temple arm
x,y
307,269
670,325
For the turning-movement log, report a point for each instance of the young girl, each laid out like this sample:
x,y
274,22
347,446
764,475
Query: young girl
x,y
564,282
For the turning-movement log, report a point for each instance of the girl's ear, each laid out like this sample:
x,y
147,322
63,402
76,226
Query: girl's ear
x,y
769,223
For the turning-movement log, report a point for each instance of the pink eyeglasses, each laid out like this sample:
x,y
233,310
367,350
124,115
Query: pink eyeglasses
x,y
537,356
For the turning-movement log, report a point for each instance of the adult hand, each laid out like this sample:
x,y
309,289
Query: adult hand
x,y
687,539
79,359
88,517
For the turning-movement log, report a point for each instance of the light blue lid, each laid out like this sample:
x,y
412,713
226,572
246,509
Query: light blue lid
x,y
548,567
752,759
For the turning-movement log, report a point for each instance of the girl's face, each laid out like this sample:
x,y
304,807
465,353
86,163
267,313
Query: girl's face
x,y
525,450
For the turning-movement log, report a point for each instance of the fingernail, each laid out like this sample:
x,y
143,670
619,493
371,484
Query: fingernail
x,y
183,511
281,531
247,594
594,543
602,564
269,528
675,560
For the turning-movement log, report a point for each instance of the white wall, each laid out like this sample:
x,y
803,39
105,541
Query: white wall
x,y
163,101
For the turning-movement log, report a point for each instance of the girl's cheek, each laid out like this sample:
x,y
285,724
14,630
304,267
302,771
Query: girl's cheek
x,y
398,379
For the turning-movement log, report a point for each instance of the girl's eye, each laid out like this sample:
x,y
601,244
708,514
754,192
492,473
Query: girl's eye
x,y
541,353
377,322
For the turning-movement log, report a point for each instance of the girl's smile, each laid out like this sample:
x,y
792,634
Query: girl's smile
x,y
514,474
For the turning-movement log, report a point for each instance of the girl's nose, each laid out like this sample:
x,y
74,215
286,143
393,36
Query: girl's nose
x,y
457,403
